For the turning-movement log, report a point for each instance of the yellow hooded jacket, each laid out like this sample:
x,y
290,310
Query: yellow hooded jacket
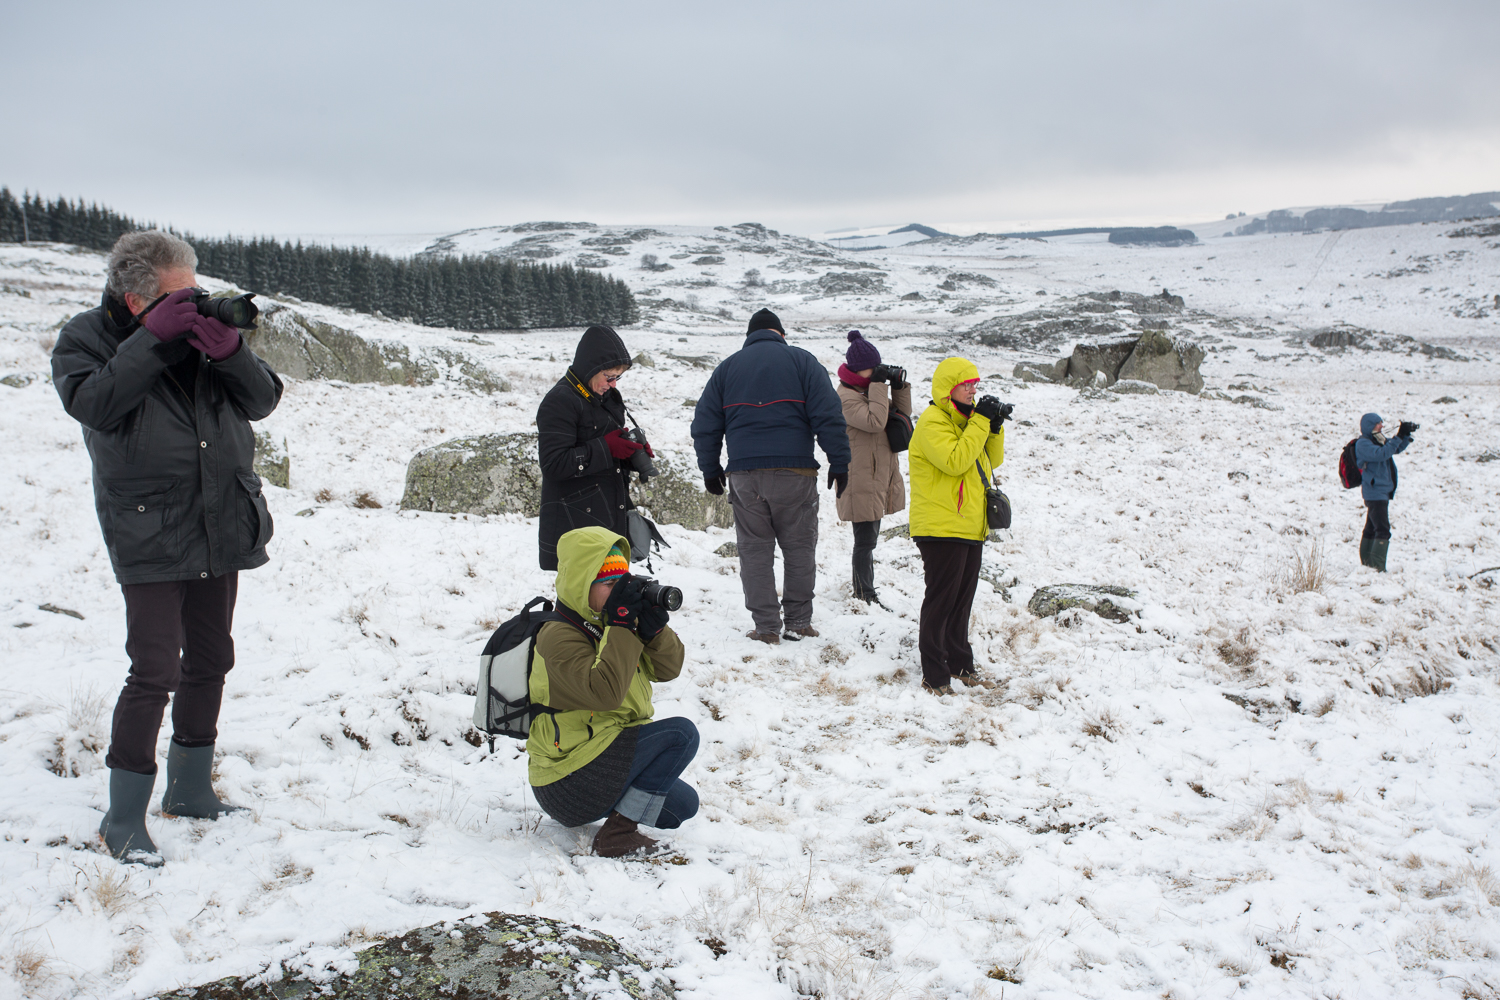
x,y
947,495
599,690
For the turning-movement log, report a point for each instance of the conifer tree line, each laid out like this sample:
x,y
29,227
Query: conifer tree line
x,y
461,293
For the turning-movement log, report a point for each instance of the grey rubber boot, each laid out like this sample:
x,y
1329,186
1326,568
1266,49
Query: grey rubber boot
x,y
190,788
124,826
1379,547
1364,551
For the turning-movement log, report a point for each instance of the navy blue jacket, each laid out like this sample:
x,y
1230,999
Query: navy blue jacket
x,y
769,399
1377,471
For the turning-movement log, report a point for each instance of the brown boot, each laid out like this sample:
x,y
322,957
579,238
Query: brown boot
x,y
618,837
769,638
798,634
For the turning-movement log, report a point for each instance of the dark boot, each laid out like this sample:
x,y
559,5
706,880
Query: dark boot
x,y
618,837
1379,547
190,789
124,826
1364,551
864,575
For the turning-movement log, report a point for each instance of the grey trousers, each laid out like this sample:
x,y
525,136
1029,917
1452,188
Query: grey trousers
x,y
771,507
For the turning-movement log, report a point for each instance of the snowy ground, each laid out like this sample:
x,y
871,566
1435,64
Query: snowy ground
x,y
1105,822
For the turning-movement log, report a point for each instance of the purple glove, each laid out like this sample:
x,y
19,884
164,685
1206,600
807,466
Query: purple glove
x,y
217,340
172,317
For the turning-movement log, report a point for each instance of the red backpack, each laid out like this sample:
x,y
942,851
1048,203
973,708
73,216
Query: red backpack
x,y
1349,473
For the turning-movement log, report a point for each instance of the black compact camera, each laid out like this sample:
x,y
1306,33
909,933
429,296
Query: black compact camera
x,y
641,462
658,595
237,312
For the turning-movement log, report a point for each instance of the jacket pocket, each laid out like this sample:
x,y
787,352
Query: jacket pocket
x,y
585,508
255,525
144,523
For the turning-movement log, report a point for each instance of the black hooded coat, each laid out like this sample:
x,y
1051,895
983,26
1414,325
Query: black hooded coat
x,y
582,483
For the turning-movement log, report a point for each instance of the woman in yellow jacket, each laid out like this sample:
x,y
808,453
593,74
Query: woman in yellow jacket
x,y
953,436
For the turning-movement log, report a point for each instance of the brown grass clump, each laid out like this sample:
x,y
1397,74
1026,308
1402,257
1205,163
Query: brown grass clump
x,y
1305,571
325,495
366,501
1240,650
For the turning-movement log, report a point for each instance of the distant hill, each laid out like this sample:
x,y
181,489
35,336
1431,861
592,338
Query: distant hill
x,y
1397,213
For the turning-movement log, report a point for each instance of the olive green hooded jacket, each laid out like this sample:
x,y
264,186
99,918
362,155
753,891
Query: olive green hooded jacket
x,y
598,690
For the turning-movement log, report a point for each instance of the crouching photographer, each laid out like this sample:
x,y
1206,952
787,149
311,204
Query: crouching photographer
x,y
596,753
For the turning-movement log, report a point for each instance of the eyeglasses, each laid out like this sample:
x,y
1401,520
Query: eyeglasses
x,y
612,379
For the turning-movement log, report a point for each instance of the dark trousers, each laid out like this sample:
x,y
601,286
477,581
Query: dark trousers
x,y
177,636
950,570
866,534
1378,519
654,793
776,507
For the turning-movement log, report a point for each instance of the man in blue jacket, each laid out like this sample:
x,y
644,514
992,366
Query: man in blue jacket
x,y
768,401
1373,453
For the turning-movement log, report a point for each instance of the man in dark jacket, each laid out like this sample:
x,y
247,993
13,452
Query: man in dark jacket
x,y
580,436
767,401
165,397
1377,471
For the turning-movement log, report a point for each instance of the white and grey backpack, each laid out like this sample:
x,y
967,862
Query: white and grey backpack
x,y
502,697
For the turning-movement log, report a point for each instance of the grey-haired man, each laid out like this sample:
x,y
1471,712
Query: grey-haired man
x,y
165,397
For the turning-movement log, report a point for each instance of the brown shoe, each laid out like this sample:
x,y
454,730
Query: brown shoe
x,y
769,638
798,634
618,838
940,691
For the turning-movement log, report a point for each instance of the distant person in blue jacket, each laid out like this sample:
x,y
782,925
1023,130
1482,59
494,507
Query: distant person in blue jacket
x,y
768,401
1377,471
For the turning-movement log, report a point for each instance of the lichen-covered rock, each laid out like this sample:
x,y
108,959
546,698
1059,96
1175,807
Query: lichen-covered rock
x,y
300,347
1041,371
1165,363
1089,360
1135,387
729,550
1115,603
18,380
677,496
498,956
272,463
486,474
896,531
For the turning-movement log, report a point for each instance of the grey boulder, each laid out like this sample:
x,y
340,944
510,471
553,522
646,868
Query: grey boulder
x,y
1115,603
485,474
1165,363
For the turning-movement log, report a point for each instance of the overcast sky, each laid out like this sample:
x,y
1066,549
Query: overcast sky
x,y
385,117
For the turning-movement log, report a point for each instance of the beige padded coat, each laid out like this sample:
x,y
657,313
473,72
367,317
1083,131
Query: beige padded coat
x,y
876,488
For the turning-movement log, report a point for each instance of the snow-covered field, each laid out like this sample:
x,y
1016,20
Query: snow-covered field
x,y
1248,790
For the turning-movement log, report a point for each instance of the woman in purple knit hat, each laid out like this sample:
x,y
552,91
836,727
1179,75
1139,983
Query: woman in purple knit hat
x,y
869,391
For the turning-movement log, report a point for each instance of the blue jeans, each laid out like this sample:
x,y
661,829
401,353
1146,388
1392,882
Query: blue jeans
x,y
654,794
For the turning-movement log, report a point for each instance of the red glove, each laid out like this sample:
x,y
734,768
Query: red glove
x,y
172,317
218,340
620,446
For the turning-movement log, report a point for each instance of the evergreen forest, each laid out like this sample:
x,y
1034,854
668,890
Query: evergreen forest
x,y
460,293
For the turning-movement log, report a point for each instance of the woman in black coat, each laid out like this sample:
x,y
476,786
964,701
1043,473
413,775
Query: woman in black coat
x,y
580,440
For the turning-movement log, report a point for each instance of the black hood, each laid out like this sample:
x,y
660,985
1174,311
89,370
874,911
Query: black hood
x,y
117,317
599,348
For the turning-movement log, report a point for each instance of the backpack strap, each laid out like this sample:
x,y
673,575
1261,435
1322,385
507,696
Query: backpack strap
x,y
563,613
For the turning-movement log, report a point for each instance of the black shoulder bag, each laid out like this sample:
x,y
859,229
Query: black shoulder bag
x,y
996,503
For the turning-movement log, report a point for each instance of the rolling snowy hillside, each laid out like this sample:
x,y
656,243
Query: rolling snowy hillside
x,y
1249,788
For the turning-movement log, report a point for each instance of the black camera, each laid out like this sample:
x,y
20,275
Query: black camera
x,y
1406,428
657,595
237,312
889,373
641,462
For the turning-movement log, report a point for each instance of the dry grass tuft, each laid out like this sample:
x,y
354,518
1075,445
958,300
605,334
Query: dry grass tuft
x,y
1325,706
29,966
842,692
110,889
1103,725
1304,571
1240,651
366,501
325,495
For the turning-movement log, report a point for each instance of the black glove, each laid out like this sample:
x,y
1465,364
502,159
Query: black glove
x,y
715,484
989,408
842,478
623,605
649,623
1406,428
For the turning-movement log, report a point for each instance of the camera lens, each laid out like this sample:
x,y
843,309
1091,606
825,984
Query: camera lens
x,y
237,312
662,597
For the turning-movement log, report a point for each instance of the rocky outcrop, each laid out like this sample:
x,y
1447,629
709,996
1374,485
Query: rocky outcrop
x,y
301,347
1338,338
505,955
272,463
1115,603
1164,362
1041,371
1089,360
677,496
500,474
487,474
